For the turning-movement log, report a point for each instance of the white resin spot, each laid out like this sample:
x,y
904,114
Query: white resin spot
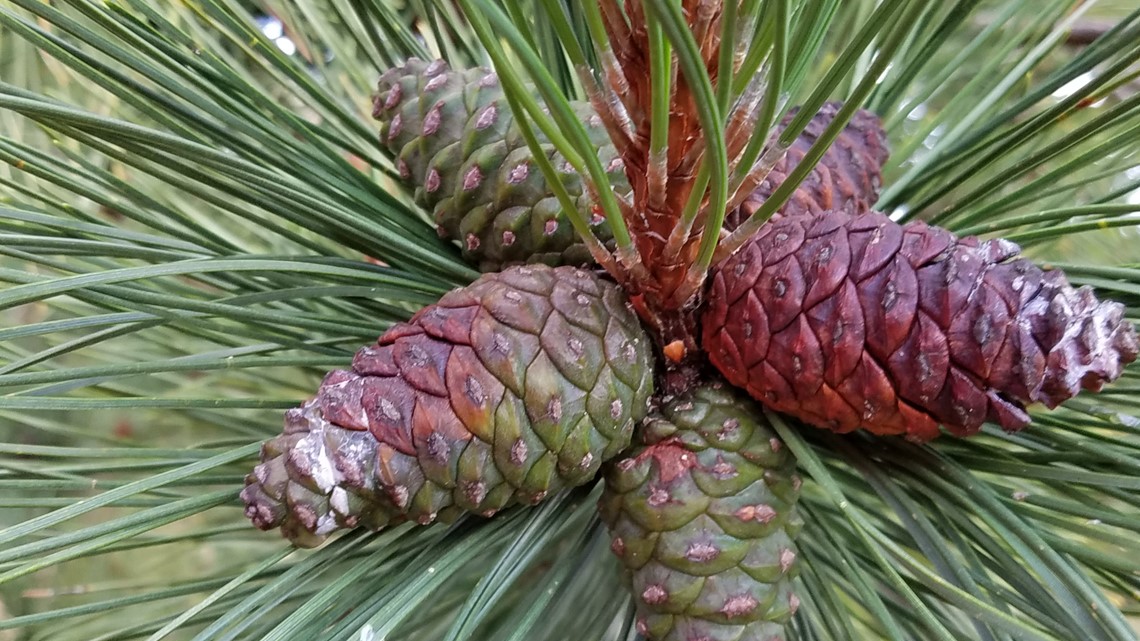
x,y
739,605
326,525
701,552
472,179
487,117
435,83
339,500
388,409
311,450
433,119
615,409
432,181
394,97
658,496
787,558
519,452
654,595
394,128
518,173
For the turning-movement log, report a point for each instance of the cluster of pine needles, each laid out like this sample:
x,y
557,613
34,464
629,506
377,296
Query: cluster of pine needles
x,y
197,221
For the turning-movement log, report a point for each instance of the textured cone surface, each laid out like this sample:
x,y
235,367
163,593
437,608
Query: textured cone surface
x,y
454,139
847,178
703,520
516,386
856,321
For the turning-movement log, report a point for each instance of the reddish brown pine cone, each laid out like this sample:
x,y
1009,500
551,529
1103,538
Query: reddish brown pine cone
x,y
856,321
847,178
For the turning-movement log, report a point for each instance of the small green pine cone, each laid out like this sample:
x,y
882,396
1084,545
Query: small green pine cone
x,y
454,139
703,519
516,386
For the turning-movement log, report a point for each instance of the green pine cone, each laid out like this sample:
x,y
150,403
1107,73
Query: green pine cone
x,y
454,139
703,519
504,391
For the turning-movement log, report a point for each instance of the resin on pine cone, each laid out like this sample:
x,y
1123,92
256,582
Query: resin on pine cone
x,y
849,321
516,386
847,177
454,139
703,520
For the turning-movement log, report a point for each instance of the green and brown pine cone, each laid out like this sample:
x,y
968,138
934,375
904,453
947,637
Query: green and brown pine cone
x,y
504,391
703,519
454,139
847,178
854,321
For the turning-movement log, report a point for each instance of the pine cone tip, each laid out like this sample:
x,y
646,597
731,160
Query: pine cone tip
x,y
298,486
1096,344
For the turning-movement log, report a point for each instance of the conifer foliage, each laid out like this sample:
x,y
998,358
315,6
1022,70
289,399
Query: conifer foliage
x,y
666,335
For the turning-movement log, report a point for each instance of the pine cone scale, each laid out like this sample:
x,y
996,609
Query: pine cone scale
x,y
474,393
423,364
830,262
506,354
838,323
389,405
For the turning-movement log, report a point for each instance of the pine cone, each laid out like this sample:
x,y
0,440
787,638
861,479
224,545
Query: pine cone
x,y
516,386
856,321
847,177
703,520
454,139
